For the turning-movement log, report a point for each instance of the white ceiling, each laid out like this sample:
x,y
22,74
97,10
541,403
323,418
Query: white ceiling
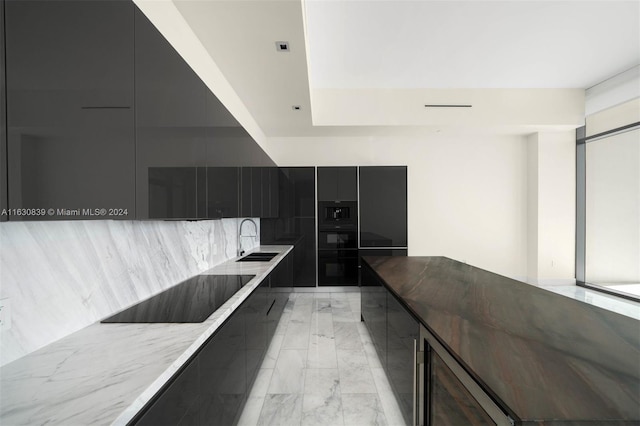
x,y
470,44
365,67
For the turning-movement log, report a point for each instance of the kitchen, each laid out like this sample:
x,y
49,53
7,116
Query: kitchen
x,y
162,138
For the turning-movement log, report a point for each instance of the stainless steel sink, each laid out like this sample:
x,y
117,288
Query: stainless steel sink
x,y
258,257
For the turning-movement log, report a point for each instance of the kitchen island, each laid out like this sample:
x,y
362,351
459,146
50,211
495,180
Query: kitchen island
x,y
542,358
107,373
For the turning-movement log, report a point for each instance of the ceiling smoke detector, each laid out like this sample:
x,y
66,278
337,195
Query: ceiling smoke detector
x,y
282,46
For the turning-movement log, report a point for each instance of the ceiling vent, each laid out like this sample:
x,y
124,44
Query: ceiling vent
x,y
282,46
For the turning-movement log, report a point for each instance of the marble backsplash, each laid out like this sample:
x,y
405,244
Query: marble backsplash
x,y
59,277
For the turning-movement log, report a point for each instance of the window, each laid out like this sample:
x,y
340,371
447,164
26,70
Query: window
x,y
608,245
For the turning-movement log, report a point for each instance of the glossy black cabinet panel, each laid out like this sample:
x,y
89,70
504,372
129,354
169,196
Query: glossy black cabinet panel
x,y
179,401
403,331
173,192
223,374
282,275
374,310
170,111
301,192
337,267
337,183
383,206
3,124
251,192
296,222
70,117
255,311
223,190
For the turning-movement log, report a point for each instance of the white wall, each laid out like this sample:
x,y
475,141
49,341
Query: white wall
x,y
552,200
467,194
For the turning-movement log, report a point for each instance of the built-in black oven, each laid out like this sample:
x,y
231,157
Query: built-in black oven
x,y
337,238
337,213
337,267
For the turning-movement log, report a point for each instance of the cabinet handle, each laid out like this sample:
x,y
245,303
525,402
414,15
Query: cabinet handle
x,y
105,107
272,303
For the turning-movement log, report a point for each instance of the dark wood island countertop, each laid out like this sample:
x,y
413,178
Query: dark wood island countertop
x,y
545,358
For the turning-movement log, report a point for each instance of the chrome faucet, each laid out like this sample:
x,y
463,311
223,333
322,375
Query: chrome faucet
x,y
255,234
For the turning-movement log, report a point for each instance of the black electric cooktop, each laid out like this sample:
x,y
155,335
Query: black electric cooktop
x,y
193,300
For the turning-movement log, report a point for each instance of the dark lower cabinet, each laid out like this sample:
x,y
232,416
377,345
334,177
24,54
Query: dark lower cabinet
x,y
374,310
403,332
444,391
213,387
179,402
395,334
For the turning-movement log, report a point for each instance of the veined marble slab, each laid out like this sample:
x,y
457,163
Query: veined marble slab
x,y
62,276
105,373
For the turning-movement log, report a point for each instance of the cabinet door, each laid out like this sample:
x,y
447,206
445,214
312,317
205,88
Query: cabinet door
x,y
274,196
245,191
223,192
223,374
70,118
3,124
383,206
347,183
173,192
255,310
179,402
265,191
374,311
337,183
170,112
256,191
403,332
327,183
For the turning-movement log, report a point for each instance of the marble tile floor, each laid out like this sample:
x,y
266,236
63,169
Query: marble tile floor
x,y
321,369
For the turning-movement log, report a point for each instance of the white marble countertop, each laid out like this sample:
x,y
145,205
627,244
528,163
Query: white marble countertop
x,y
105,373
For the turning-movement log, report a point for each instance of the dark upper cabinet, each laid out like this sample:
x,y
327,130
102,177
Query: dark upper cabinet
x,y
223,189
177,192
181,123
251,192
337,183
295,222
70,117
3,125
259,195
383,206
170,101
